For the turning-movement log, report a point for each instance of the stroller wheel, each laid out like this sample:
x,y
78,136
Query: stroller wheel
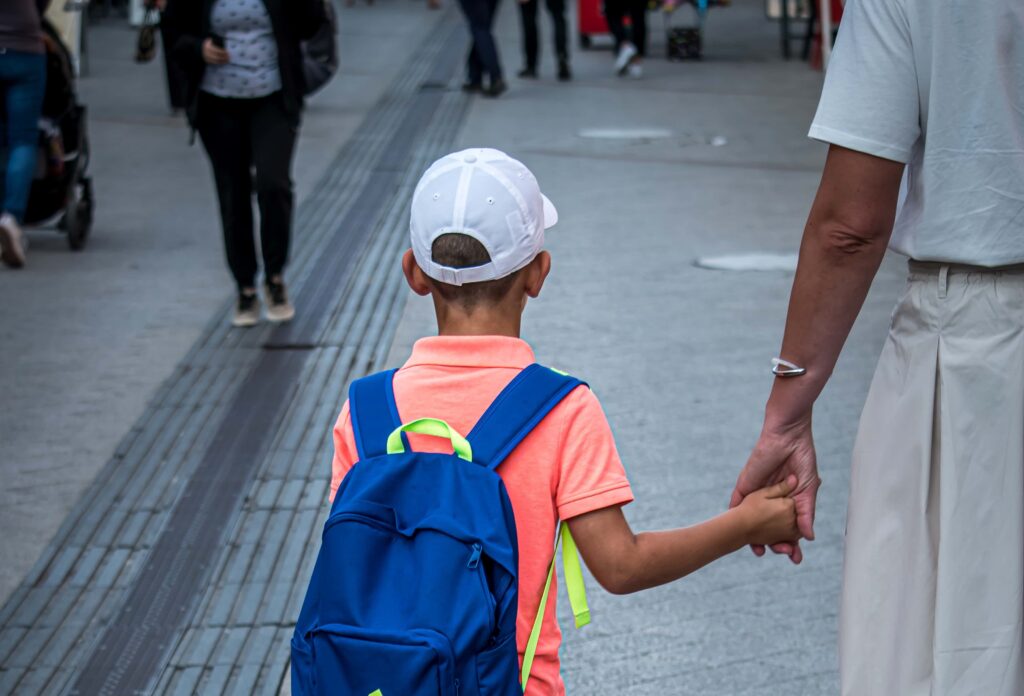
x,y
78,214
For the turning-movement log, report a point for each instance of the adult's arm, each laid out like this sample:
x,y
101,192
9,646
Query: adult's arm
x,y
845,238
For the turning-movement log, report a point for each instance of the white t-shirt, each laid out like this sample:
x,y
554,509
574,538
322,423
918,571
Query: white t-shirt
x,y
939,85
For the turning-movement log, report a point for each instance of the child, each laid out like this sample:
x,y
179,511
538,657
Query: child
x,y
478,221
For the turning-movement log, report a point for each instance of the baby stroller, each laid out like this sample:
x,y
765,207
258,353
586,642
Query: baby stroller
x,y
61,189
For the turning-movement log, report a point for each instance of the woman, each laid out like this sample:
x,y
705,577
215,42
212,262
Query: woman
x,y
243,66
22,84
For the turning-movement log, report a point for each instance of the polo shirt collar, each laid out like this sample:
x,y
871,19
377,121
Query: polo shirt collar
x,y
472,351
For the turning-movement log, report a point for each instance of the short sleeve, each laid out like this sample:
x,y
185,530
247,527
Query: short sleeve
x,y
591,475
345,453
870,101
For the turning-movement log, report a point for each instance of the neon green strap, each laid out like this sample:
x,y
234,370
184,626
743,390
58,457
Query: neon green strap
x,y
577,596
430,426
574,579
531,644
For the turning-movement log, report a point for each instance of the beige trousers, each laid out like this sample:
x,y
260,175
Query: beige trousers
x,y
933,577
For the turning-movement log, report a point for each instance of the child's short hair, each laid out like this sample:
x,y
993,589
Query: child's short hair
x,y
456,250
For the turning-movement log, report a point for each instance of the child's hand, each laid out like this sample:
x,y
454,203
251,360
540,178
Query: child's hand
x,y
770,514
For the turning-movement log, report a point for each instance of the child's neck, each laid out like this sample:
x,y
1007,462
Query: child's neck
x,y
483,322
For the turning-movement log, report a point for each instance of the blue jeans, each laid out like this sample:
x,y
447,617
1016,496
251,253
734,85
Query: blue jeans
x,y
483,55
22,85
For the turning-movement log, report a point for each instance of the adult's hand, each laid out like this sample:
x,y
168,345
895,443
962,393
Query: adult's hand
x,y
213,54
780,453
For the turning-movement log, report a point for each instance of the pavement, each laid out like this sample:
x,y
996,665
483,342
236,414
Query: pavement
x,y
86,338
121,379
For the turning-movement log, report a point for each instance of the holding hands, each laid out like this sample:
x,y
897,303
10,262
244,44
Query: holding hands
x,y
783,455
769,513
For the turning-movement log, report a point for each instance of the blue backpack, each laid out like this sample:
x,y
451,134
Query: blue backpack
x,y
415,589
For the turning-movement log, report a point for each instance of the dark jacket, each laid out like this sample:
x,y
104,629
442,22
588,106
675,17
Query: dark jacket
x,y
293,21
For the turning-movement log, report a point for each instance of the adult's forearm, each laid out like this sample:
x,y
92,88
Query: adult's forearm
x,y
843,245
828,292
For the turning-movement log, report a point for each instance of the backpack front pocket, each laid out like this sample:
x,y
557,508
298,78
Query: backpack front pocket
x,y
351,661
416,570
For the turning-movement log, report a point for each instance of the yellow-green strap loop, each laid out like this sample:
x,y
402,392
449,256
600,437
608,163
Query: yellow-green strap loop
x,y
577,596
430,426
574,578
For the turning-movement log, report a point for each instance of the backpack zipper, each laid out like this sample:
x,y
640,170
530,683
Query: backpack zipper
x,y
474,559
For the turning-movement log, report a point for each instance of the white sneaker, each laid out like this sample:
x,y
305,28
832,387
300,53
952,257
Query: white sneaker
x,y
636,70
247,310
12,242
279,309
626,53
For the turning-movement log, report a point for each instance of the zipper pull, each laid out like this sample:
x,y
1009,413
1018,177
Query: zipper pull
x,y
474,559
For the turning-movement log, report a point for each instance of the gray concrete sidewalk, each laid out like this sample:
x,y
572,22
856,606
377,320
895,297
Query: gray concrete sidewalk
x,y
677,354
86,338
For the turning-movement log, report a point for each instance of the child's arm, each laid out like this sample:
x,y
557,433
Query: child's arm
x,y
624,562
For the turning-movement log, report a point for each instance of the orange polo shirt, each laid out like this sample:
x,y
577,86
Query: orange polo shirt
x,y
566,467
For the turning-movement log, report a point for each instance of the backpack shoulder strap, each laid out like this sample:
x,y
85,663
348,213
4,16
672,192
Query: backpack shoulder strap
x,y
521,405
371,404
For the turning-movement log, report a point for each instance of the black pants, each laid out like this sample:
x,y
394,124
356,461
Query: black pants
x,y
242,136
483,54
615,10
528,15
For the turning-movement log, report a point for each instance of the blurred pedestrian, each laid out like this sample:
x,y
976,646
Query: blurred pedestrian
x,y
932,599
483,53
631,45
528,19
175,79
243,64
22,87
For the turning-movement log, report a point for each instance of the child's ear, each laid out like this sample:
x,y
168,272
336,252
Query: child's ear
x,y
537,273
414,275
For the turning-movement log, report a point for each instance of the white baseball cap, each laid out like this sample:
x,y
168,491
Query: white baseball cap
x,y
487,195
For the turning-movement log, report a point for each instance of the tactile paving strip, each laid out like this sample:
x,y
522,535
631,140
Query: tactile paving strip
x,y
182,568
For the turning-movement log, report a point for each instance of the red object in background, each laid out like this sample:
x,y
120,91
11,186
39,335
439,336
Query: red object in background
x,y
590,15
837,16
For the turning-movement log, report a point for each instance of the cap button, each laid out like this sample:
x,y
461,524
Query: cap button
x,y
469,159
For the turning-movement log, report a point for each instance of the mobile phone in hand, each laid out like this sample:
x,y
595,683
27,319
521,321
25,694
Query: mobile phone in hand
x,y
217,40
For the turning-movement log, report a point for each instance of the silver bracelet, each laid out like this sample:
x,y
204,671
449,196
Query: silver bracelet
x,y
784,368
